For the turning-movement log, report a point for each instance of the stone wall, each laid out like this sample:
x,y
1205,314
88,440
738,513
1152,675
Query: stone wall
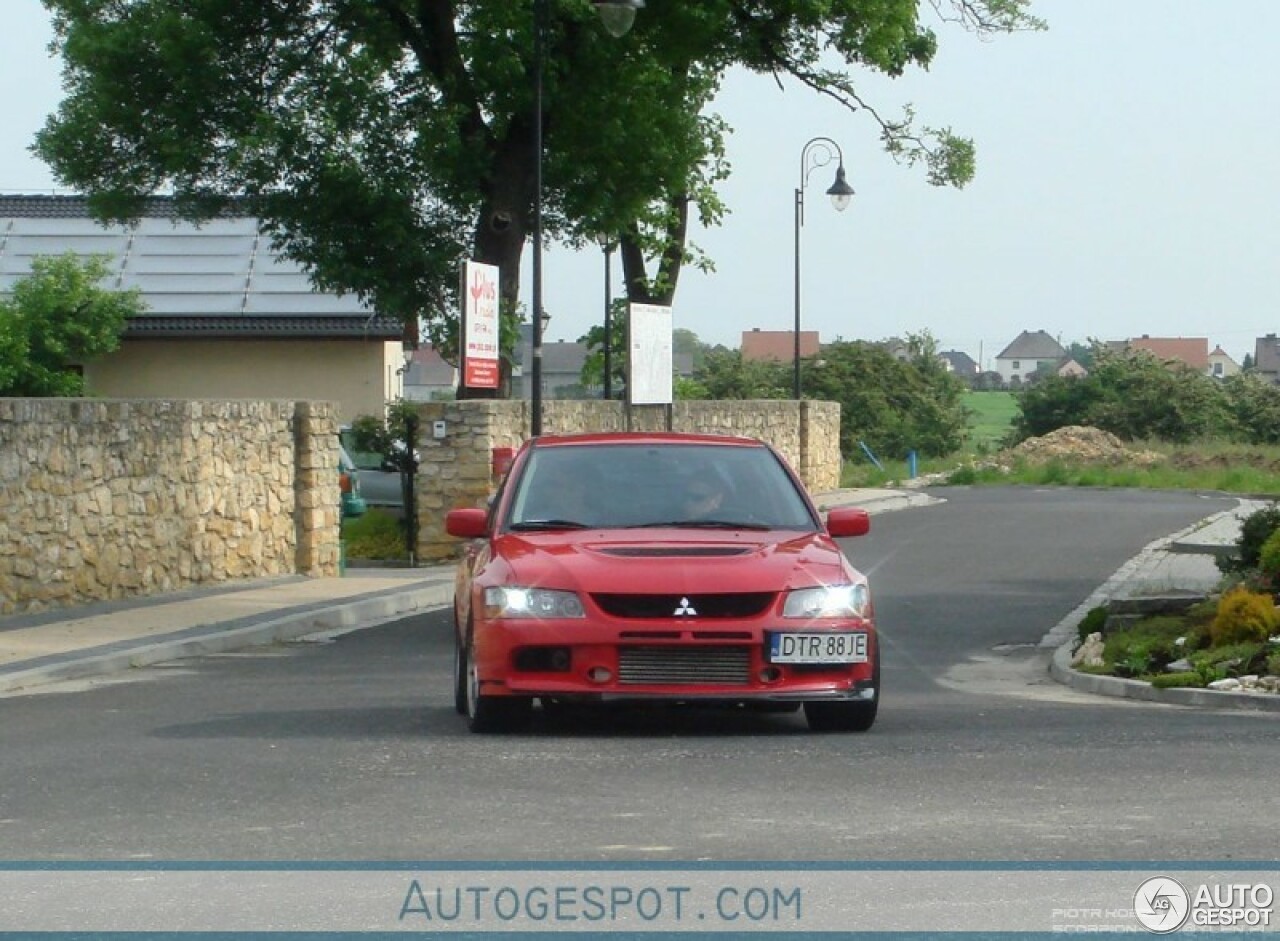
x,y
456,468
112,498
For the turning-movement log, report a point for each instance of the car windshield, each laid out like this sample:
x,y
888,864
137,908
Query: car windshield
x,y
606,485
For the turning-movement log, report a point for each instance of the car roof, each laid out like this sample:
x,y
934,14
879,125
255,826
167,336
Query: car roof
x,y
645,438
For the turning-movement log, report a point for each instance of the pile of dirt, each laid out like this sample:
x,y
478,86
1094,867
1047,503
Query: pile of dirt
x,y
1079,444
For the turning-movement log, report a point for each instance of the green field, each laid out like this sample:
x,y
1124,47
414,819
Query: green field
x,y
991,418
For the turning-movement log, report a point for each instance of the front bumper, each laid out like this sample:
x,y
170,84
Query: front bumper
x,y
541,660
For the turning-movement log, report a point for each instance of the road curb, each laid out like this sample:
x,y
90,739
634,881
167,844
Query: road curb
x,y
214,638
1061,670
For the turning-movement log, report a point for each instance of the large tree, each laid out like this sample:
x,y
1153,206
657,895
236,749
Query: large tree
x,y
381,141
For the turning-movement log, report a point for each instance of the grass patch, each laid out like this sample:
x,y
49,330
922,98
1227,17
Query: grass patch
x,y
375,535
991,417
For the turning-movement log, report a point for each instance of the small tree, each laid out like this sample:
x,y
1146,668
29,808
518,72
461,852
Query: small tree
x,y
395,437
59,317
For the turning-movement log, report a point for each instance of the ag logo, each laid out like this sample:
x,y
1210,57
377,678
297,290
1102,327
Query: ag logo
x,y
1161,904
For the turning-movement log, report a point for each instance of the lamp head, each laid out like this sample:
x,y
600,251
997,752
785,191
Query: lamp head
x,y
618,15
840,192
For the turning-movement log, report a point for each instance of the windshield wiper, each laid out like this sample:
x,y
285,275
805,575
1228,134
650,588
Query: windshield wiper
x,y
535,525
703,524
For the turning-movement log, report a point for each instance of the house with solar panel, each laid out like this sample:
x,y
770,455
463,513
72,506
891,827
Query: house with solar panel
x,y
227,316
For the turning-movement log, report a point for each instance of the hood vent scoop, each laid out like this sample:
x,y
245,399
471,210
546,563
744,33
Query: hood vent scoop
x,y
658,552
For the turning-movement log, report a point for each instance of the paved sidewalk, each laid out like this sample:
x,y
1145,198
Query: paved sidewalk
x,y
110,637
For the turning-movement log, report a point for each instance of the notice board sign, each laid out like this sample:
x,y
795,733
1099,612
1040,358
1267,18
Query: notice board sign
x,y
649,365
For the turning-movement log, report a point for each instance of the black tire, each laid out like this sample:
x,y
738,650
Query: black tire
x,y
492,713
459,675
850,716
841,716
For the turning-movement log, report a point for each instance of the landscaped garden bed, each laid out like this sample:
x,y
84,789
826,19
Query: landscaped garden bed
x,y
1228,640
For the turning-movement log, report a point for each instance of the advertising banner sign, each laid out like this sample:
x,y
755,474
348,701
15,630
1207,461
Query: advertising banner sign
x,y
480,325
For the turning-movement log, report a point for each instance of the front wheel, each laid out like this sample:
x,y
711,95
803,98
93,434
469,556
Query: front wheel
x,y
841,716
492,713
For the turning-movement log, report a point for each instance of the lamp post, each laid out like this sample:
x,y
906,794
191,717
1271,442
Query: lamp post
x,y
617,17
818,152
608,245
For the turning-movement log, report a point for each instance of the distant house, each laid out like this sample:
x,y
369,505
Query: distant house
x,y
778,346
1021,358
961,364
227,316
429,376
1266,358
562,363
1072,370
1193,351
1221,365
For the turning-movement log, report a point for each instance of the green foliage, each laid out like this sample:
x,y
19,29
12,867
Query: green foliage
x,y
894,406
1254,405
1093,621
1145,647
1186,680
991,418
1255,530
375,535
1243,617
57,317
383,142
1133,395
395,437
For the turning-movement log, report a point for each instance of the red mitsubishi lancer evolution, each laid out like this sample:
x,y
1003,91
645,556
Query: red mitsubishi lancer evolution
x,y
660,567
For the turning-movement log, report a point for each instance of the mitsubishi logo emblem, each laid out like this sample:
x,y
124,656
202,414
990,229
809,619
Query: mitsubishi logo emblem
x,y
685,608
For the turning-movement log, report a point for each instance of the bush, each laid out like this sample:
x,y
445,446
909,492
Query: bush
x,y
1269,560
1255,530
1243,617
1093,621
1177,681
1148,645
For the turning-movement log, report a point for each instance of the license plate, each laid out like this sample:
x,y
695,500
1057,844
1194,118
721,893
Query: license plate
x,y
826,647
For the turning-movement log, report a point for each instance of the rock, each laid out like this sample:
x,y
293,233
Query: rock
x,y
1179,666
1089,653
1225,685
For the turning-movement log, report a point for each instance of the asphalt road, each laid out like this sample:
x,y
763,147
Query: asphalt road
x,y
349,748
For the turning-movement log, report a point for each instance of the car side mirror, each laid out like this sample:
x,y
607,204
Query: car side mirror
x,y
845,521
468,523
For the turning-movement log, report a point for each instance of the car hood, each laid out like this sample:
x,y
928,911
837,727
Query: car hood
x,y
673,561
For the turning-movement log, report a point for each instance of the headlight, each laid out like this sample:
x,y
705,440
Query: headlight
x,y
836,601
531,603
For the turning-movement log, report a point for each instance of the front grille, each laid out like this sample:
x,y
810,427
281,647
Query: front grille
x,y
739,605
684,666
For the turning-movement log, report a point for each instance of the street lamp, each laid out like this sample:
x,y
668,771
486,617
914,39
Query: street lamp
x,y
608,245
816,153
617,17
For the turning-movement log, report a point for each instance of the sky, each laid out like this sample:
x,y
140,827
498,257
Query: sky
x,y
1125,186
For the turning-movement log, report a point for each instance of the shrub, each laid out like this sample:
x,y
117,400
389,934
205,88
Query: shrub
x,y
1255,530
1243,616
1148,645
1177,680
1093,621
1269,560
